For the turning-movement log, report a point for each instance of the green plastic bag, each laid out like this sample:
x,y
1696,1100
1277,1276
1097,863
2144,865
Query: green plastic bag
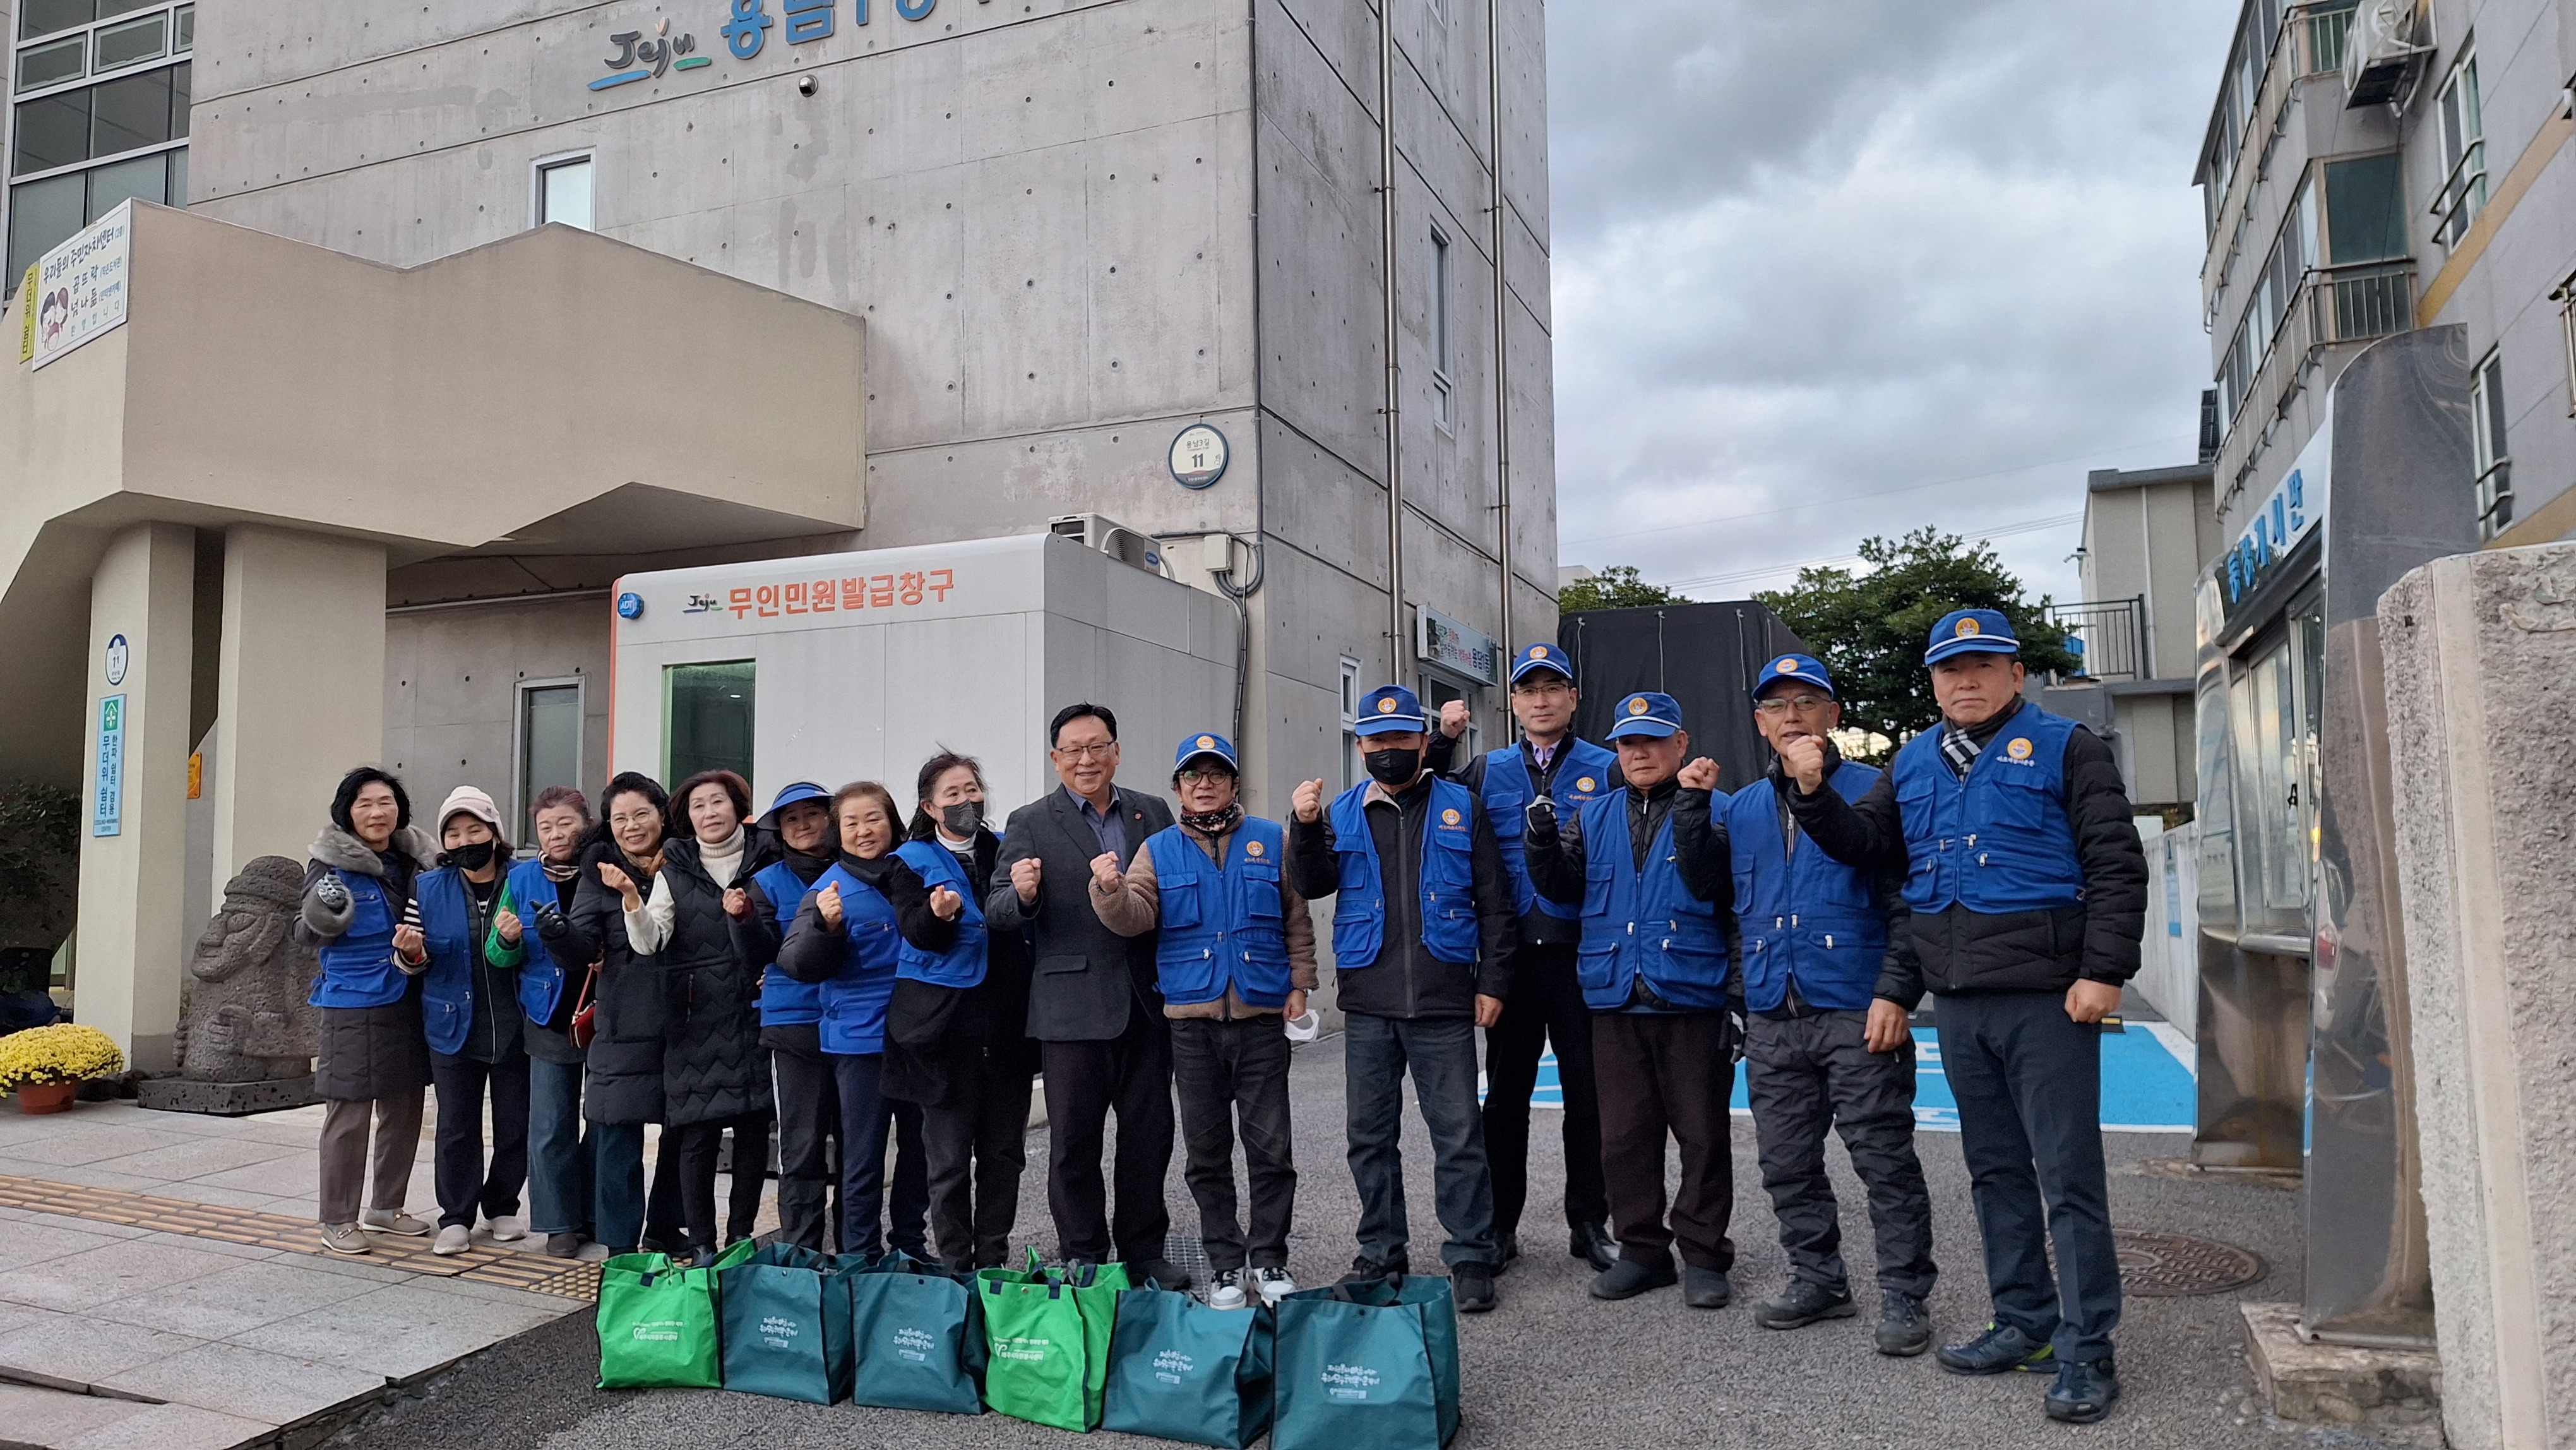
x,y
1179,1370
920,1336
657,1322
785,1317
1049,1340
1372,1364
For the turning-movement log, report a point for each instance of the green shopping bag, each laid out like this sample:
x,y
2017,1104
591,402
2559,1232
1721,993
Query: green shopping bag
x,y
785,1315
657,1322
920,1336
1372,1364
1179,1370
1049,1335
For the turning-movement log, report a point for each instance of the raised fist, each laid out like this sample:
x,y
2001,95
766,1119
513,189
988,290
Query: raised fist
x,y
1308,801
408,942
331,893
827,905
946,904
1105,873
1024,880
1453,719
1803,760
505,925
1700,774
737,903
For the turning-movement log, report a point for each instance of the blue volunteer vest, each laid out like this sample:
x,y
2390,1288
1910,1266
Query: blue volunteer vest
x,y
1221,924
1584,774
1448,879
541,977
2000,840
785,1001
358,965
962,965
1643,921
1803,914
854,998
447,930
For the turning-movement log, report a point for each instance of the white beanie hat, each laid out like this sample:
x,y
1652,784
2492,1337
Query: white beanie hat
x,y
469,800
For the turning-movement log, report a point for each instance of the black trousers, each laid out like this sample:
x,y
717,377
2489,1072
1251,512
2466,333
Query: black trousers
x,y
1223,1069
977,1146
1131,1075
809,1114
1810,1075
1667,1073
464,1182
701,1148
1546,1007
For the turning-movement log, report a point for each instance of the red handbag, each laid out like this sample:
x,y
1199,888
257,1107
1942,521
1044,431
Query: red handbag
x,y
585,1012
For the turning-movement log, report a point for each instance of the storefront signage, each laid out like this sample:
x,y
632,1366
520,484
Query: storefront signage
x,y
850,595
81,288
745,27
1454,647
107,800
2296,506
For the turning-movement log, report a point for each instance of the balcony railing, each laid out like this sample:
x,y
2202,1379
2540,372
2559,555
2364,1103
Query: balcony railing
x,y
2495,498
2351,303
2107,636
2463,194
2311,43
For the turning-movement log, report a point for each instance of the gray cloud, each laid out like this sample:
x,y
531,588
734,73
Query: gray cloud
x,y
1806,254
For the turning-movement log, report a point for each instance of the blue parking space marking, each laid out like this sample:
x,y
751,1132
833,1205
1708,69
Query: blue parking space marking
x,y
2148,1083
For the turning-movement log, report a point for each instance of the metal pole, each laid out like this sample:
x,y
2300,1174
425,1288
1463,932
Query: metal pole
x,y
1394,407
1502,329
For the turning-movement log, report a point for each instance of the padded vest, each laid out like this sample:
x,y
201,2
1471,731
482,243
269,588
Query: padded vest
x,y
2000,840
1221,924
447,929
1584,774
962,965
1447,886
358,965
854,998
541,977
785,1001
1803,914
1643,921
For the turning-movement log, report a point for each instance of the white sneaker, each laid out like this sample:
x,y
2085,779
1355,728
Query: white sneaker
x,y
453,1239
1273,1285
1226,1292
509,1228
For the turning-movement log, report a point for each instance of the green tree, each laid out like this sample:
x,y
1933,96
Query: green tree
x,y
39,863
1616,587
1869,627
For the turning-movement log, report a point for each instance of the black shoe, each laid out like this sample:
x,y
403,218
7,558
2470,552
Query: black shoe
x,y
2083,1392
702,1259
1365,1269
562,1246
1999,1350
1162,1271
1472,1287
1706,1288
1803,1303
1592,1244
1627,1279
1507,1247
1904,1326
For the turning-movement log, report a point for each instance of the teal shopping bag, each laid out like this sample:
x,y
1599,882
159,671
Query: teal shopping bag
x,y
1372,1364
920,1337
785,1313
1179,1370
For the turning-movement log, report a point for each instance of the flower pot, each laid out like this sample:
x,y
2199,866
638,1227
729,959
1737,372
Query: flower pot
x,y
46,1097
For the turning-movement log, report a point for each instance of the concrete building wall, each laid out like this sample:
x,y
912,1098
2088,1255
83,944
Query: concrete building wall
x,y
452,719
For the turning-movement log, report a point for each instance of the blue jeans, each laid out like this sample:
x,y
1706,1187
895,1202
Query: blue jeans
x,y
617,1184
1441,1055
865,1115
558,1155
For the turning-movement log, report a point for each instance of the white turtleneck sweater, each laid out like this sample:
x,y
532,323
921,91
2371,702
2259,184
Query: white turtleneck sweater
x,y
648,928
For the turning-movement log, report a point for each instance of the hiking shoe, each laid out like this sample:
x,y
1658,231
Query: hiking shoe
x,y
1472,1287
1803,1303
1591,1242
1363,1269
2084,1391
1904,1325
1627,1279
392,1221
1227,1291
1999,1350
456,1238
509,1228
563,1245
1273,1285
344,1238
1706,1288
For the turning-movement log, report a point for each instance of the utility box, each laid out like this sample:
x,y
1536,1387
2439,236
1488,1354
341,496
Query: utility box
x,y
860,666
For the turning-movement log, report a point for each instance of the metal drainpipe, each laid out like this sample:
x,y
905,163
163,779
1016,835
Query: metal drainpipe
x,y
1502,302
1394,409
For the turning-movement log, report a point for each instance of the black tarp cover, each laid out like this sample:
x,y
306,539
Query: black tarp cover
x,y
1703,655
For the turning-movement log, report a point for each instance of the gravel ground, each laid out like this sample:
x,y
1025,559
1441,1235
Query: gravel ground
x,y
1551,1366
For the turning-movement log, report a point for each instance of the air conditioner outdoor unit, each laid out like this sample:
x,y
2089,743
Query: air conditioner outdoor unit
x,y
1114,539
2388,42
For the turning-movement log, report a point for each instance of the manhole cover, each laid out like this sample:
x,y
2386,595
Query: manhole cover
x,y
2157,1265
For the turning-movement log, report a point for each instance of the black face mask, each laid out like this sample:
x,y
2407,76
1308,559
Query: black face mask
x,y
1394,769
471,858
963,819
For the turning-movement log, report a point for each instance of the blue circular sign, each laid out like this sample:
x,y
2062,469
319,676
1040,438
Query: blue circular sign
x,y
630,605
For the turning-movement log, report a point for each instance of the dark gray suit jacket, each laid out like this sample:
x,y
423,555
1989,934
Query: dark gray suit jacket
x,y
1087,979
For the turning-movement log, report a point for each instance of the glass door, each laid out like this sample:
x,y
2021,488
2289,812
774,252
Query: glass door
x,y
2275,706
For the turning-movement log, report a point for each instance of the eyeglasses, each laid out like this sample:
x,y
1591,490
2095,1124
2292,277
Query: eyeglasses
x,y
1097,750
1195,777
1803,704
1543,687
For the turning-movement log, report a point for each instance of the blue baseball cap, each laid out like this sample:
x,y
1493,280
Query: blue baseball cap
x,y
1650,713
1794,667
1390,710
788,795
1963,630
1194,746
1542,657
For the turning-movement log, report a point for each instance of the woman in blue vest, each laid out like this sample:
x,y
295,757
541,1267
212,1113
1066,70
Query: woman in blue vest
x,y
849,936
357,915
1235,958
470,1010
809,1103
623,1090
531,931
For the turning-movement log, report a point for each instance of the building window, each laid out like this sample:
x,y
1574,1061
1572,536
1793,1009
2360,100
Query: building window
x,y
2464,154
564,192
2487,447
1444,332
1350,722
549,744
707,719
2564,294
100,116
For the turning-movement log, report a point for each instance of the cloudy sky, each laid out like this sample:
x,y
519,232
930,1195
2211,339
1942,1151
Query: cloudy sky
x,y
1829,270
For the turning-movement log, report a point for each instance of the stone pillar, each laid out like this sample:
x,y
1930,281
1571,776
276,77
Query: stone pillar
x,y
133,821
301,686
2481,676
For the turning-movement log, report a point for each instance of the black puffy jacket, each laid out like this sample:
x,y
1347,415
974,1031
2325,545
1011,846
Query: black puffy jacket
x,y
713,1065
624,1081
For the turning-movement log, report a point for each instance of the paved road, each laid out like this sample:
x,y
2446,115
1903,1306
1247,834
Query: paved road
x,y
1551,1367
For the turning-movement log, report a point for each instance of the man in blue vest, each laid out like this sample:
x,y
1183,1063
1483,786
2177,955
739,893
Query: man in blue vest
x,y
1829,982
1649,867
2028,888
1422,945
1546,1009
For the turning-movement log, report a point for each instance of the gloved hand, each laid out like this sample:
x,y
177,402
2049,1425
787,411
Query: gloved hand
x,y
1735,1035
331,893
1539,817
551,925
